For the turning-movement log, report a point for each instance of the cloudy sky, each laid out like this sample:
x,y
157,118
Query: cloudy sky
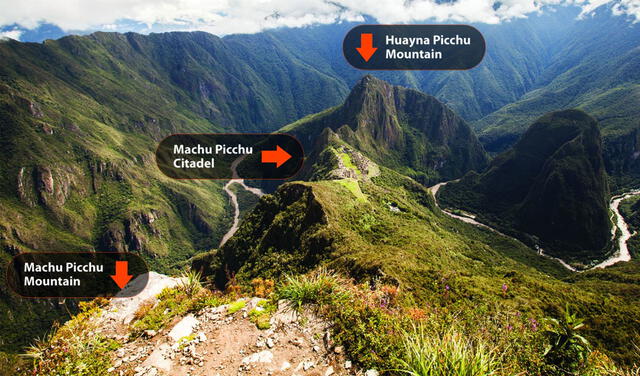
x,y
248,16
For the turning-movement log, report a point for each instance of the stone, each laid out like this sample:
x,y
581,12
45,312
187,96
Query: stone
x,y
307,365
338,350
150,333
329,371
159,359
285,366
265,356
184,328
371,372
270,343
347,364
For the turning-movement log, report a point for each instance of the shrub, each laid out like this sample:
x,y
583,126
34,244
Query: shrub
x,y
190,282
71,350
262,287
236,306
566,351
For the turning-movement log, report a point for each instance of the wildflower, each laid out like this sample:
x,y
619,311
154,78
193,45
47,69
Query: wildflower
x,y
534,324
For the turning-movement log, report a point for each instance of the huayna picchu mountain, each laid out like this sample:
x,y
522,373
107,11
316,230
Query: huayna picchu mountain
x,y
403,129
552,185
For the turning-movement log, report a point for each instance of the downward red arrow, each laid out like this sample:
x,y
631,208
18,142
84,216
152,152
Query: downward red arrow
x,y
278,156
366,48
122,276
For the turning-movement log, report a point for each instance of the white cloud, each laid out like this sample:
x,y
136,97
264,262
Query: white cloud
x,y
628,7
248,16
11,34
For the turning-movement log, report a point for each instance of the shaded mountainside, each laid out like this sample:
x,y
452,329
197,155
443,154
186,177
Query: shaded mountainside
x,y
551,184
400,128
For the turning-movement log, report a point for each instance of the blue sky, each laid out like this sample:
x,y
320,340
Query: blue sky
x,y
35,20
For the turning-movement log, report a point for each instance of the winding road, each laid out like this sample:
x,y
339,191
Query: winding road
x,y
235,179
621,254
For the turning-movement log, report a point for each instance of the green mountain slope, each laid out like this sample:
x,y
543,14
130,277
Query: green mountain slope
x,y
551,184
380,227
400,128
517,53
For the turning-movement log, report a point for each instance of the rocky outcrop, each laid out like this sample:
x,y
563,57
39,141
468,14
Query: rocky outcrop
x,y
399,128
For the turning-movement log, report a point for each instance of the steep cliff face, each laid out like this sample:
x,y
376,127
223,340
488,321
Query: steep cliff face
x,y
551,184
285,232
400,128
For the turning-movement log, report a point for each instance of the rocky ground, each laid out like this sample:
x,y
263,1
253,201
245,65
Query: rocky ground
x,y
214,342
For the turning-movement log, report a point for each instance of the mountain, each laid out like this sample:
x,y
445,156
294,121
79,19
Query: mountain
x,y
517,53
80,119
379,228
552,184
400,128
596,70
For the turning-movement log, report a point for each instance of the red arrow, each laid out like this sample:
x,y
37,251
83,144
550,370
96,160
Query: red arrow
x,y
122,276
366,48
278,156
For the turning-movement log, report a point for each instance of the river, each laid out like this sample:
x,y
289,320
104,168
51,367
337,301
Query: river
x,y
621,253
235,179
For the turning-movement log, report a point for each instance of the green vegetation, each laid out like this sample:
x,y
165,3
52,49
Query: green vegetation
x,y
188,296
382,327
261,314
630,210
81,118
549,190
71,350
449,353
567,350
236,306
318,288
440,263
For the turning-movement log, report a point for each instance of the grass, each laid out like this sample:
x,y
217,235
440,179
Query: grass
x,y
353,187
74,348
261,315
320,288
450,353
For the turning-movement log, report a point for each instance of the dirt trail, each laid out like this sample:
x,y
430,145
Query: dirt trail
x,y
214,341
